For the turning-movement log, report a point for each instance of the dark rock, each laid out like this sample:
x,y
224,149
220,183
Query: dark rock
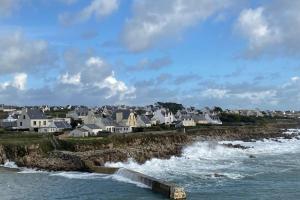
x,y
236,146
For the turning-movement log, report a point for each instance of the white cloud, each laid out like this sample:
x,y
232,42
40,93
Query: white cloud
x,y
154,21
95,61
97,8
19,54
252,97
271,29
70,79
257,97
215,93
254,26
116,87
19,82
95,72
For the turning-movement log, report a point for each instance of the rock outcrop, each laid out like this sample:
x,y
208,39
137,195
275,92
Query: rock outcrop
x,y
139,146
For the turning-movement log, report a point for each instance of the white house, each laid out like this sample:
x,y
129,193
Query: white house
x,y
55,127
188,121
32,119
9,122
79,132
106,124
163,116
78,113
93,129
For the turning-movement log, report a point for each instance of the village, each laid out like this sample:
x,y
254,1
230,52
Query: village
x,y
82,121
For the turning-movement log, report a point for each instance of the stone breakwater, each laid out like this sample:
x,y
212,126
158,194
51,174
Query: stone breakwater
x,y
140,147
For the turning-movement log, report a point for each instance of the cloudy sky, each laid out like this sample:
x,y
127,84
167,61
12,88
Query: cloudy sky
x,y
229,53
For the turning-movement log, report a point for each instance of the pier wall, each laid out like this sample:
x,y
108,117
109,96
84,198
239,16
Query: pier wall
x,y
168,189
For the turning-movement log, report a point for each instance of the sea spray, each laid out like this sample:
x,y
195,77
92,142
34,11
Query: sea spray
x,y
10,164
123,175
216,162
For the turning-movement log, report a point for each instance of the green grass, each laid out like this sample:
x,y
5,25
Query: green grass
x,y
10,139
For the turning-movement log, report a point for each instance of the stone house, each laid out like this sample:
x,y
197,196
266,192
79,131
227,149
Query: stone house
x,y
125,117
32,119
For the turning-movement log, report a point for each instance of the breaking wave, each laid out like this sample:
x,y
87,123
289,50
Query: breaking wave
x,y
9,164
215,161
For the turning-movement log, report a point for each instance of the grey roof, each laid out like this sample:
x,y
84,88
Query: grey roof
x,y
82,130
145,119
108,122
199,117
92,126
36,114
188,117
63,125
126,113
82,111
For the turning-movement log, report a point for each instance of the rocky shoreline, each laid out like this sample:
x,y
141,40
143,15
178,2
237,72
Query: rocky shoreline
x,y
138,146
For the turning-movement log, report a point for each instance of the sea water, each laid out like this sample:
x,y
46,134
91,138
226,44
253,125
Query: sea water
x,y
268,169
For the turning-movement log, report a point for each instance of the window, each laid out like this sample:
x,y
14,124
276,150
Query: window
x,y
45,123
34,123
24,117
21,124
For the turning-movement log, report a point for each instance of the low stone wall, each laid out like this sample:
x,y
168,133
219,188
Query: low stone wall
x,y
168,189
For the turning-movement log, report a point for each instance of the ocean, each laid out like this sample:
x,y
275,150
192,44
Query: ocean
x,y
268,169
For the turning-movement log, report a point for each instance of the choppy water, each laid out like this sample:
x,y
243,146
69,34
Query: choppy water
x,y
206,170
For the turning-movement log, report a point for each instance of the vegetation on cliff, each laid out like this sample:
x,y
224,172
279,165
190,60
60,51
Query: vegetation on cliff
x,y
58,153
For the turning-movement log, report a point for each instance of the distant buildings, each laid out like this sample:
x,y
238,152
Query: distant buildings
x,y
116,119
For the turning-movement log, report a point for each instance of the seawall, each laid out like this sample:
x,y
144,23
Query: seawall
x,y
170,190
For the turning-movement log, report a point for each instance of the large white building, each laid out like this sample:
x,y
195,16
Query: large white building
x,y
163,116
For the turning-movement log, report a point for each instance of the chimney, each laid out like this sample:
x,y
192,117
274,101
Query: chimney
x,y
119,117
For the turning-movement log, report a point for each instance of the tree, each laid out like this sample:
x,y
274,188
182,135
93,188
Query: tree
x,y
217,109
173,107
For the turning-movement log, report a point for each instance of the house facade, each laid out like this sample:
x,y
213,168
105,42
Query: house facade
x,y
163,116
32,119
93,129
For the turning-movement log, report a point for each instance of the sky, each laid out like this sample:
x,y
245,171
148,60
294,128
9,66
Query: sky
x,y
237,54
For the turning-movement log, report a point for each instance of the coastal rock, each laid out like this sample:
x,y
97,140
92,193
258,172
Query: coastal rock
x,y
236,146
137,146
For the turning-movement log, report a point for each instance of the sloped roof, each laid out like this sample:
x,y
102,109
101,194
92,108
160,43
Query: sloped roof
x,y
108,122
36,114
126,114
92,126
145,119
63,125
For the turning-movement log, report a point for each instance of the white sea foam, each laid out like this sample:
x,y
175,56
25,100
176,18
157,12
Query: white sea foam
x,y
213,160
32,171
122,176
292,132
10,164
78,175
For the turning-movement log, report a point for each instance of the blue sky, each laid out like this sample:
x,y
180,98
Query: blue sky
x,y
229,53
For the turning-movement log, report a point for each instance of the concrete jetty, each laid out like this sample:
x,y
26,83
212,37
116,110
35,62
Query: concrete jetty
x,y
168,189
